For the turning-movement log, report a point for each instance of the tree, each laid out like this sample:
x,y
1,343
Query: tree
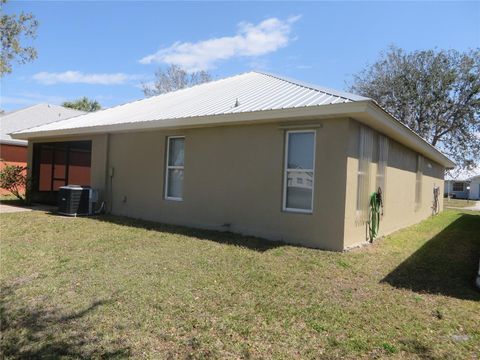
x,y
14,29
13,179
174,78
435,93
83,104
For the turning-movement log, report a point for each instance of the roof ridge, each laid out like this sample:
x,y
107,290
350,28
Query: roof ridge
x,y
200,84
22,109
40,104
80,113
329,91
164,94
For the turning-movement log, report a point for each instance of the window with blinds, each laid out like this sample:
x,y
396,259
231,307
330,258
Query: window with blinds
x,y
174,168
299,171
381,176
418,183
365,154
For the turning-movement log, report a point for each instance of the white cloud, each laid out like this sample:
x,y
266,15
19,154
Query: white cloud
x,y
251,40
304,67
77,77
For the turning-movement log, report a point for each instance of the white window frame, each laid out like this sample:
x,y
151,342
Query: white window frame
x,y
366,140
286,170
173,167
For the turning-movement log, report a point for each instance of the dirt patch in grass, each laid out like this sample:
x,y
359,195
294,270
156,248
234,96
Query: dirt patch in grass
x,y
458,203
111,287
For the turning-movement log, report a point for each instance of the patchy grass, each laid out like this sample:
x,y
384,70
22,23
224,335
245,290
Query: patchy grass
x,y
458,203
113,287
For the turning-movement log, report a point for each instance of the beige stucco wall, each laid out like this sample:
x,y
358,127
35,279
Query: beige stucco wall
x,y
233,181
400,210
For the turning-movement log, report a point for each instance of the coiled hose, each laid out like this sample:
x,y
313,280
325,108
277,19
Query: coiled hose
x,y
375,212
436,204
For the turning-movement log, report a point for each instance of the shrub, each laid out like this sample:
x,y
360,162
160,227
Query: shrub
x,y
14,180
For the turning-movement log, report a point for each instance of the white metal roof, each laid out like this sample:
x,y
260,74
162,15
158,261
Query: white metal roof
x,y
246,98
30,117
252,91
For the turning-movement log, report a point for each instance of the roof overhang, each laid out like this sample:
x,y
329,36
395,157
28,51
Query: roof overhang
x,y
379,119
365,111
14,142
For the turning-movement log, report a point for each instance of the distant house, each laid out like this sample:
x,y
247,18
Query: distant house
x,y
256,154
14,151
465,185
475,188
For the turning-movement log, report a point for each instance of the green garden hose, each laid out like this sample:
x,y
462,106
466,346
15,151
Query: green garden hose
x,y
376,209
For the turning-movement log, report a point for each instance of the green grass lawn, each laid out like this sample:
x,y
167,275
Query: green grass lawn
x,y
458,203
109,287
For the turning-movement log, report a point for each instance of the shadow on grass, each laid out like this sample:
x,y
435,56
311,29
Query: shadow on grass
x,y
447,264
221,237
40,331
12,201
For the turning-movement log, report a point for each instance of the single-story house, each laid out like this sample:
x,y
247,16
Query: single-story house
x,y
14,151
474,192
256,154
464,184
456,189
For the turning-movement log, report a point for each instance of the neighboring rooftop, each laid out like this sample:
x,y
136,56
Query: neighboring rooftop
x,y
29,117
248,92
462,175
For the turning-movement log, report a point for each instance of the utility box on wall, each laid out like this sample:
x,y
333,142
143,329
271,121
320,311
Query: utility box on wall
x,y
75,200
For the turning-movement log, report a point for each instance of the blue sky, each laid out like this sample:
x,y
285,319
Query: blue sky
x,y
104,50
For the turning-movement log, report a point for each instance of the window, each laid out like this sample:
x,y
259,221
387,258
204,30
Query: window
x,y
458,186
174,168
418,183
382,167
365,155
299,171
